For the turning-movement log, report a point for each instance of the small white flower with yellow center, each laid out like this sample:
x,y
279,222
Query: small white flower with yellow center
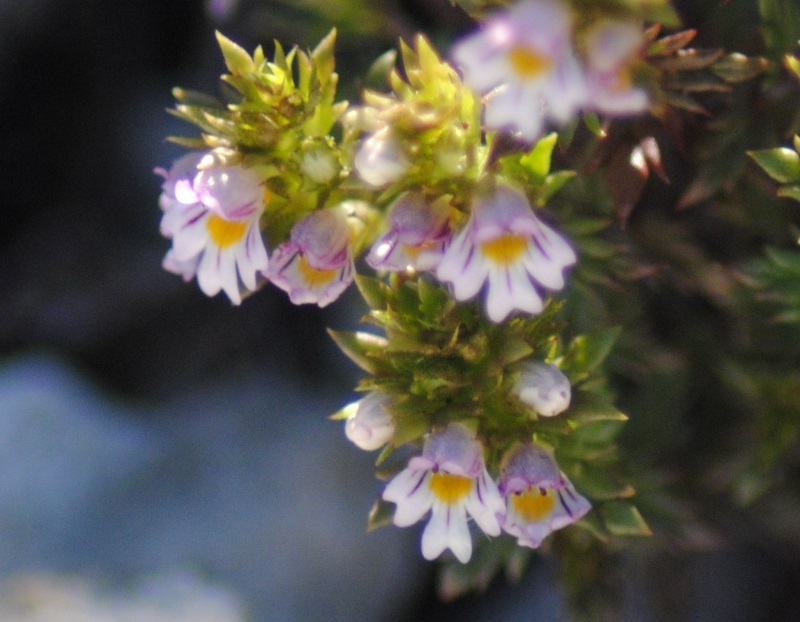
x,y
539,498
370,426
451,481
316,264
211,213
418,233
505,244
544,388
523,61
611,47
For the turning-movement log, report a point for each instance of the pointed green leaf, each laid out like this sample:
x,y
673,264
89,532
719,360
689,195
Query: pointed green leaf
x,y
236,58
782,163
587,352
598,484
344,413
623,519
537,160
790,192
359,346
552,184
588,407
380,515
374,291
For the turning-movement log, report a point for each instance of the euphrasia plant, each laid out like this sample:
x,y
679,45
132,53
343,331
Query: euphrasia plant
x,y
485,391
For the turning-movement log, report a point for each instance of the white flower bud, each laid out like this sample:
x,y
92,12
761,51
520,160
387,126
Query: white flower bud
x,y
381,160
544,388
370,427
319,164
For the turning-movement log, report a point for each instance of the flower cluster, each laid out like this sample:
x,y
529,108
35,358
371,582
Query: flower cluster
x,y
449,479
469,373
526,64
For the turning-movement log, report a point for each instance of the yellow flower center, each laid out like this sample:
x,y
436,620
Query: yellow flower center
x,y
505,249
225,233
450,489
534,504
526,63
314,277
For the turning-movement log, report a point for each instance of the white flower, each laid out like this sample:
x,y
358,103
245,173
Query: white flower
x,y
539,498
544,388
212,216
371,426
381,160
451,481
610,48
316,264
418,233
319,164
524,62
505,244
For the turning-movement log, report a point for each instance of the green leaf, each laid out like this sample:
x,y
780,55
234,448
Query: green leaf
x,y
792,64
588,407
623,519
380,515
552,184
598,484
323,57
782,163
537,160
374,291
344,413
587,352
236,58
358,346
737,67
790,192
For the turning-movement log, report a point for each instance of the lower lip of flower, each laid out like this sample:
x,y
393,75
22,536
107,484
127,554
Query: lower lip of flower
x,y
526,63
533,504
450,489
505,249
225,233
313,277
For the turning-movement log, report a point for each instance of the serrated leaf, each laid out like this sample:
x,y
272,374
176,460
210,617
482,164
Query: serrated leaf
x,y
358,347
623,519
380,515
237,60
781,163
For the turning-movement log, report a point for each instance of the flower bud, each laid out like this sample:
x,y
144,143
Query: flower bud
x,y
370,427
381,160
319,164
544,388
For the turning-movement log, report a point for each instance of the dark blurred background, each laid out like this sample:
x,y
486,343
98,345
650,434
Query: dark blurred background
x,y
165,455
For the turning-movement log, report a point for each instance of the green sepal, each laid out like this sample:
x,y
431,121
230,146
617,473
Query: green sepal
x,y
380,515
781,163
623,519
